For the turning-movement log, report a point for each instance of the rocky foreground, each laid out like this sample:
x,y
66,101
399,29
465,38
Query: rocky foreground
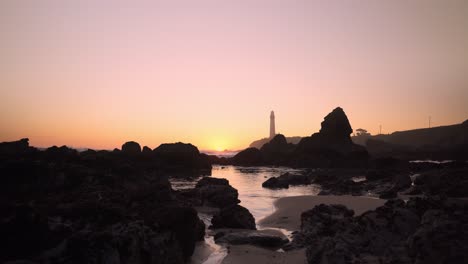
x,y
422,230
61,206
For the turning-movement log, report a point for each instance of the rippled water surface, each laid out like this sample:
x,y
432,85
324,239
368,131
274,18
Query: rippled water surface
x,y
260,201
248,182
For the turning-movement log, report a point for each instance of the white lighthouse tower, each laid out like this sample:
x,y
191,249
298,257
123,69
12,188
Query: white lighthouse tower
x,y
272,125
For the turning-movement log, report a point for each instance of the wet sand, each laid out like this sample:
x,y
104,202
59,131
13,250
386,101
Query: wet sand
x,y
288,216
247,254
289,209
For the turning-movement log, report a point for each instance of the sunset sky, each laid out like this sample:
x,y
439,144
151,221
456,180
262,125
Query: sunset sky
x,y
99,73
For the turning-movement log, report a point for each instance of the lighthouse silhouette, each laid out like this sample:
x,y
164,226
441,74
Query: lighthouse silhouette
x,y
272,125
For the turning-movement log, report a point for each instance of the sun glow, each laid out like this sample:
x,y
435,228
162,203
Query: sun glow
x,y
219,144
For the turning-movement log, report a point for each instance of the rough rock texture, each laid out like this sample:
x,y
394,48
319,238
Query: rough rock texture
x,y
277,151
234,216
284,180
257,238
147,151
248,157
450,182
332,146
216,192
61,206
131,148
275,183
180,156
429,230
15,147
336,125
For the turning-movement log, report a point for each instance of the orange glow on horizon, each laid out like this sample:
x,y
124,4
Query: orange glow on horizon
x,y
99,73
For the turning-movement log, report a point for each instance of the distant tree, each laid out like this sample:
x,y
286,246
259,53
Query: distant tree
x,y
361,132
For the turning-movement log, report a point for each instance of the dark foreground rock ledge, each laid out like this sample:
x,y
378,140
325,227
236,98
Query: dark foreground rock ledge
x,y
423,230
61,206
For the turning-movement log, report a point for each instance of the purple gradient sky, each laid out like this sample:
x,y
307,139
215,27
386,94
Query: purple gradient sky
x,y
98,73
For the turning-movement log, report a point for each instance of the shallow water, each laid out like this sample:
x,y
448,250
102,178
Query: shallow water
x,y
260,201
248,182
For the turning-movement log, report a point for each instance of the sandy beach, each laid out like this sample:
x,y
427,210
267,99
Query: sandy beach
x,y
289,209
288,216
249,254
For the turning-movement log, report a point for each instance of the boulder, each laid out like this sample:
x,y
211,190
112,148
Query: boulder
x,y
248,157
401,182
216,192
256,238
15,147
336,125
277,151
181,157
452,182
275,183
423,230
332,146
234,216
285,180
322,219
147,151
94,207
131,148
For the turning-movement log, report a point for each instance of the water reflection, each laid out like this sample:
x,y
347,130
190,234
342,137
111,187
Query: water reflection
x,y
259,200
248,181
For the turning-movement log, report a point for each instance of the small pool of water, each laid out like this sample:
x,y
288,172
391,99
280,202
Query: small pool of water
x,y
248,182
260,201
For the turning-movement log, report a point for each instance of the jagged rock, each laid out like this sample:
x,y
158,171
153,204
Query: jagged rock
x,y
401,182
429,230
146,150
234,216
248,157
15,147
277,151
131,148
275,183
92,207
216,192
336,125
452,182
332,146
182,157
285,180
321,220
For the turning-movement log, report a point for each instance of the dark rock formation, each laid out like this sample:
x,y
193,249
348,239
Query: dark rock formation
x,y
257,238
180,156
336,125
15,147
259,143
419,231
450,182
234,216
275,183
285,180
131,148
147,151
216,192
332,146
248,157
277,151
338,182
61,206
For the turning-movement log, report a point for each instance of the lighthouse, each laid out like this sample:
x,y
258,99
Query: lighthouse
x,y
272,125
